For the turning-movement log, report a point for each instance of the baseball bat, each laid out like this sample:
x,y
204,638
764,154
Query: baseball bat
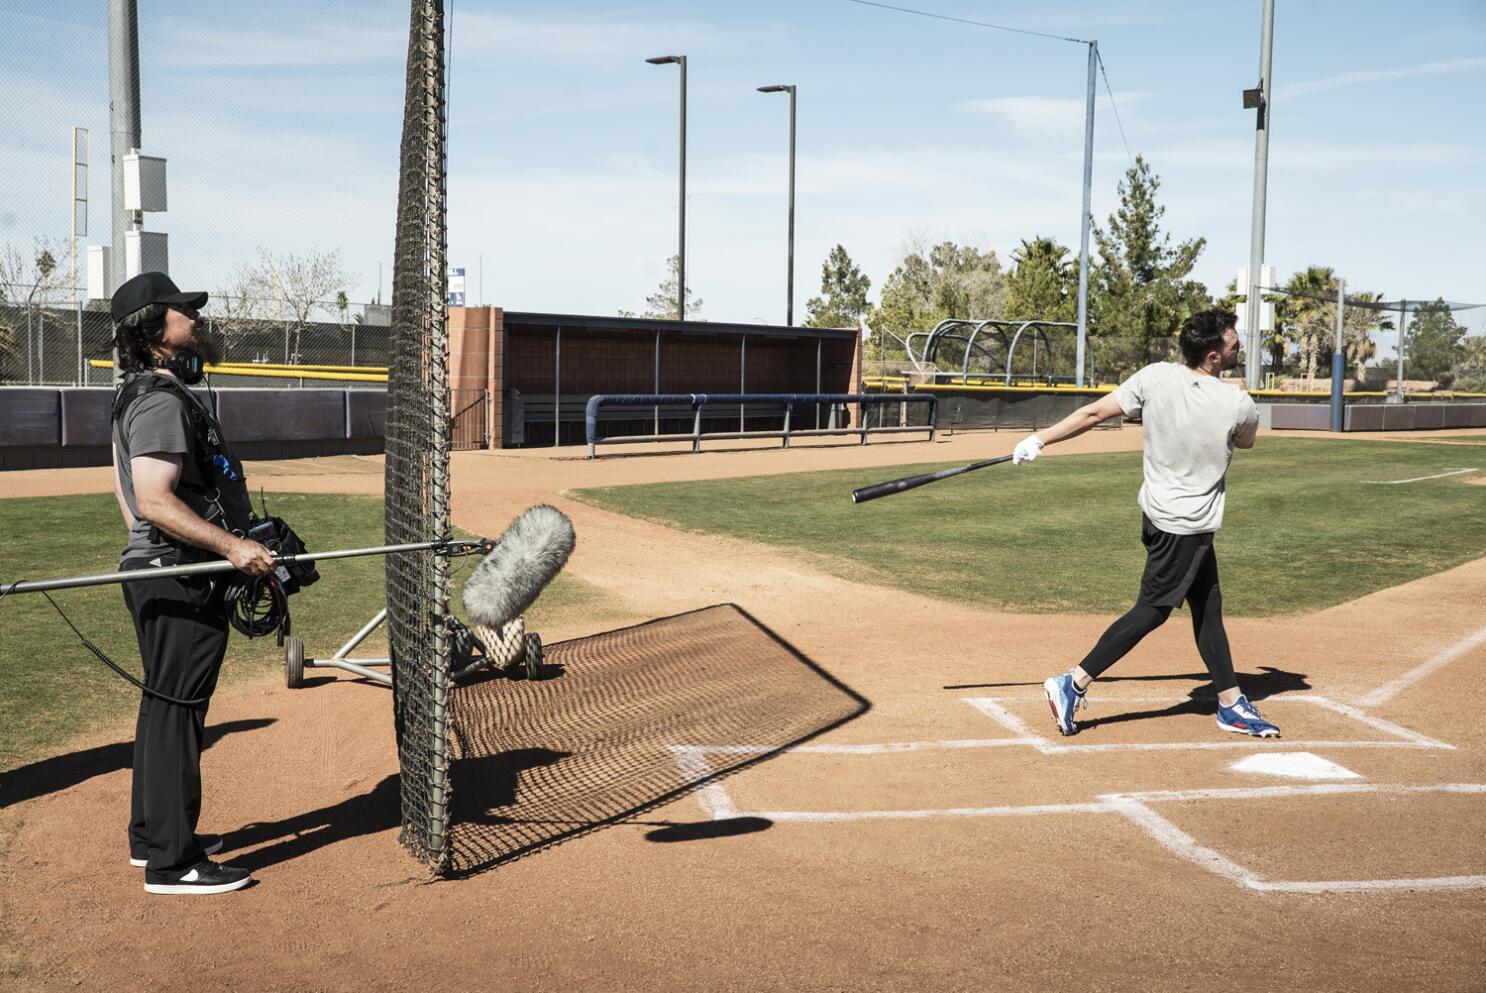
x,y
913,482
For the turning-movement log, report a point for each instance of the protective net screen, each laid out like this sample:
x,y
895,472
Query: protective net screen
x,y
628,720
418,451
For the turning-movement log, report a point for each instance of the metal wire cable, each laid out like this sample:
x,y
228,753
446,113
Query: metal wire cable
x,y
1108,89
964,20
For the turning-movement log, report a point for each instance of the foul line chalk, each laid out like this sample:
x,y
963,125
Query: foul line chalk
x,y
1418,479
838,816
1391,689
712,798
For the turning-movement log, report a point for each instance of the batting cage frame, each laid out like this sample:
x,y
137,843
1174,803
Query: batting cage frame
x,y
418,438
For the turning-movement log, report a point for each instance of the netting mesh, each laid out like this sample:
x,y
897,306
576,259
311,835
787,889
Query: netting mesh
x,y
417,497
626,721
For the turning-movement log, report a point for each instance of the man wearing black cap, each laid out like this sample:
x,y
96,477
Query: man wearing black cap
x,y
182,495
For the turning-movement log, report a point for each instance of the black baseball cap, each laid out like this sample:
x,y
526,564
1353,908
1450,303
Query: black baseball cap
x,y
148,288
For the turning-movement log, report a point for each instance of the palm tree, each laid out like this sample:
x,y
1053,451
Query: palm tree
x,y
1310,308
1360,319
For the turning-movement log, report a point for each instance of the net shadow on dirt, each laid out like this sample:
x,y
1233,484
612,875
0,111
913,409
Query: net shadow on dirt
x,y
538,763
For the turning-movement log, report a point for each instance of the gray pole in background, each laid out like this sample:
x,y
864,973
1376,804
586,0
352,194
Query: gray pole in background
x,y
1338,360
789,308
679,60
681,208
123,108
1083,238
789,293
1261,177
1403,318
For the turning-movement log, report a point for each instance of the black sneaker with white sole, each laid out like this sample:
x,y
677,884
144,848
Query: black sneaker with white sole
x,y
205,876
210,844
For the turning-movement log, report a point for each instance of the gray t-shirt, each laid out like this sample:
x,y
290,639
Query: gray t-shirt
x,y
156,422
1190,422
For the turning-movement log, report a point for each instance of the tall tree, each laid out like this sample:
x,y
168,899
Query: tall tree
x,y
661,305
1435,344
1473,364
1140,287
1043,284
293,289
944,281
843,294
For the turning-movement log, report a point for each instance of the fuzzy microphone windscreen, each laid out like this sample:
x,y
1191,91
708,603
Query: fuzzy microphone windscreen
x,y
525,559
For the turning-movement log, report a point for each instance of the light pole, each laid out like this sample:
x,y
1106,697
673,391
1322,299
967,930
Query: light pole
x,y
1258,99
1083,231
789,300
680,60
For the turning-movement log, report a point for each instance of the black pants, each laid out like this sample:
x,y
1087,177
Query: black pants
x,y
182,629
1178,567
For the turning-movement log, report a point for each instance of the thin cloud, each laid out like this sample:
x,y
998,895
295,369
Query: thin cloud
x,y
1377,75
1045,116
576,37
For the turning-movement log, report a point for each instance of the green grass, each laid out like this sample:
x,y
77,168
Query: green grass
x,y
51,688
1301,530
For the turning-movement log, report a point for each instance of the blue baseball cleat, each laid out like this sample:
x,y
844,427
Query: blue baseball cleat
x,y
1242,718
1064,697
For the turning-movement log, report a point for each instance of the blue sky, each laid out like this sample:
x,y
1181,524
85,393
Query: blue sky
x,y
281,121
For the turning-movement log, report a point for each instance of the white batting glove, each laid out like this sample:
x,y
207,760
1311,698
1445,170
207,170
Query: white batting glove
x,y
1026,450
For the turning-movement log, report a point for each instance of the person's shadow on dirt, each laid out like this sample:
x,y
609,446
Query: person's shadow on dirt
x,y
481,785
62,772
1201,699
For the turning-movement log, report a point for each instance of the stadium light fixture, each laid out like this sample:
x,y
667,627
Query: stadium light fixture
x,y
789,298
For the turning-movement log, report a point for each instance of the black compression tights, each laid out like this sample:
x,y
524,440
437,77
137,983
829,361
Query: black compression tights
x,y
1206,602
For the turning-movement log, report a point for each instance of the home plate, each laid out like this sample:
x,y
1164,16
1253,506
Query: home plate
x,y
1295,765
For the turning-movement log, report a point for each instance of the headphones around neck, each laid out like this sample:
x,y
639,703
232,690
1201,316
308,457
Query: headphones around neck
x,y
185,363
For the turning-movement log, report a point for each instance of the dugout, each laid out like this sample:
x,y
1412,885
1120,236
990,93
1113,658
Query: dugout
x,y
536,372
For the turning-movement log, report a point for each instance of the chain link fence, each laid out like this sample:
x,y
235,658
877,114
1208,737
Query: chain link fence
x,y
50,340
278,125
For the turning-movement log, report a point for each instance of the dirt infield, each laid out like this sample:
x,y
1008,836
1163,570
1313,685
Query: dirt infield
x,y
940,837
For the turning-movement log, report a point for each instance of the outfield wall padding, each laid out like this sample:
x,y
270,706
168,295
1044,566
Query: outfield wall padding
x,y
1379,416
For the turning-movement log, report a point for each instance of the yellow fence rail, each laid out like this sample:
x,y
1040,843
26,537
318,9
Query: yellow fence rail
x,y
280,372
959,385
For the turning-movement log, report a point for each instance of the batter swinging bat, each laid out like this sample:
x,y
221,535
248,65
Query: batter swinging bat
x,y
913,482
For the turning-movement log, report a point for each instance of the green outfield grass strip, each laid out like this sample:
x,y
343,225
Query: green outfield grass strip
x,y
1302,532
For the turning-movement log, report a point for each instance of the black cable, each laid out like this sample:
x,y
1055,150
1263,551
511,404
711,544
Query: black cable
x,y
257,605
98,652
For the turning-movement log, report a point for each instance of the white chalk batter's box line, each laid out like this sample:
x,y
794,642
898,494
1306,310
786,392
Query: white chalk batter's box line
x,y
1402,737
717,803
1023,736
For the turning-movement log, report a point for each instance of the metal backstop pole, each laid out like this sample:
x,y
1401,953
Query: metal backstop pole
x,y
1338,360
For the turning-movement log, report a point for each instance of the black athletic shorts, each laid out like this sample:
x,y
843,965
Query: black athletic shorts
x,y
1172,562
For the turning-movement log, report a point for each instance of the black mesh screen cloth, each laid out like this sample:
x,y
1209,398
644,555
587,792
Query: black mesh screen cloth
x,y
417,439
540,762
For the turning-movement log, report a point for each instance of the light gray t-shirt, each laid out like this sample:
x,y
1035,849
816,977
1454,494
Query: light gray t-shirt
x,y
1190,422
